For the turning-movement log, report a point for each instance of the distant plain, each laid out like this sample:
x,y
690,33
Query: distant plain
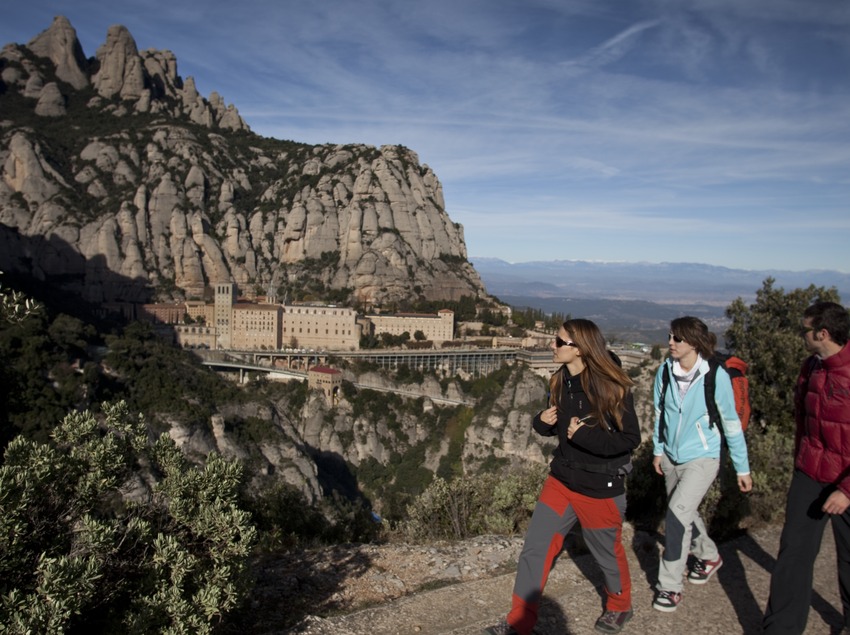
x,y
634,302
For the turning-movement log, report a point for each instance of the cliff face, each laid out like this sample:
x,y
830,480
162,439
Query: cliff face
x,y
119,180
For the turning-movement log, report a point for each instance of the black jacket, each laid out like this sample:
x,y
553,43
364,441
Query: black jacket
x,y
598,457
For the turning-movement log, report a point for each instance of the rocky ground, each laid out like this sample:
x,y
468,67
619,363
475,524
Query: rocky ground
x,y
462,587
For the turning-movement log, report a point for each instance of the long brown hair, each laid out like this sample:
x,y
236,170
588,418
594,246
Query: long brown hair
x,y
603,380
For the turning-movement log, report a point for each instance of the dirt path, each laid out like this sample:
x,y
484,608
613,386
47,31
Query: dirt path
x,y
732,602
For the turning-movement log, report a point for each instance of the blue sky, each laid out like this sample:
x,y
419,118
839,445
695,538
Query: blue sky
x,y
711,131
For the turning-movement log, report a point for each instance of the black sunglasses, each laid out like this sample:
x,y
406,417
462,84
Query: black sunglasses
x,y
559,342
675,338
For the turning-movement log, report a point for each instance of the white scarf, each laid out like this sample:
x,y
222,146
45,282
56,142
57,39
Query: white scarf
x,y
685,379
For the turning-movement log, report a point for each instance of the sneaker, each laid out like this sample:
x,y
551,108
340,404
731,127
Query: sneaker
x,y
502,628
613,621
667,601
701,570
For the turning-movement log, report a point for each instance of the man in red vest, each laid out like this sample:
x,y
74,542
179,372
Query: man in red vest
x,y
820,486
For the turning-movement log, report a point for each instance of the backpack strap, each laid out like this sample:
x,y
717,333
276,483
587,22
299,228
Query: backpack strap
x,y
713,411
662,425
710,399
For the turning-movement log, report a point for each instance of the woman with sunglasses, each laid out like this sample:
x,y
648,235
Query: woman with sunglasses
x,y
686,449
591,411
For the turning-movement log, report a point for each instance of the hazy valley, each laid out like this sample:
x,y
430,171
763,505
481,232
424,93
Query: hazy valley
x,y
636,301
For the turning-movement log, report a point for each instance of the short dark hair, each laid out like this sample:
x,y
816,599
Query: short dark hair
x,y
832,318
695,332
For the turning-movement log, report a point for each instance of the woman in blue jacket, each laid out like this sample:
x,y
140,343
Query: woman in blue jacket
x,y
687,453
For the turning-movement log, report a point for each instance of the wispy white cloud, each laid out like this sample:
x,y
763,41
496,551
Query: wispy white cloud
x,y
612,49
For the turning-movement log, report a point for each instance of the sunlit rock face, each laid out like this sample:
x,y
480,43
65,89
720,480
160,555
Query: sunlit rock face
x,y
162,192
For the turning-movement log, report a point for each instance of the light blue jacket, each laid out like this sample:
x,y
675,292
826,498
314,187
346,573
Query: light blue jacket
x,y
687,431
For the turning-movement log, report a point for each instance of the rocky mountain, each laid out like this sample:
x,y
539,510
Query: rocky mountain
x,y
121,183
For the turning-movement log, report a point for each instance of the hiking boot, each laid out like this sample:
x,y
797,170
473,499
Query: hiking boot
x,y
502,628
667,601
613,621
701,570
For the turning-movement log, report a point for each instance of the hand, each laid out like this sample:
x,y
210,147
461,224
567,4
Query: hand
x,y
837,503
549,416
656,463
745,483
575,424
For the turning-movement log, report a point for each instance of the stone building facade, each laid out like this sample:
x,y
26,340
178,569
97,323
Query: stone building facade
x,y
255,326
228,324
437,328
320,327
328,380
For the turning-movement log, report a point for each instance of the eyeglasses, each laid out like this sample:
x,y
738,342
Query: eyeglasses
x,y
675,338
559,342
805,329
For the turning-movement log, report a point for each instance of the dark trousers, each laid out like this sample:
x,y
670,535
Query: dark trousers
x,y
791,583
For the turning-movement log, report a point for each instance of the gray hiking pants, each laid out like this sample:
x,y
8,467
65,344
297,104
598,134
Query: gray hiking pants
x,y
685,531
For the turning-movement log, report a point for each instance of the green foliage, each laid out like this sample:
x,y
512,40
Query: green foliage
x,y
283,517
15,307
158,378
486,388
451,464
493,318
75,554
251,430
375,405
527,318
771,454
766,334
497,502
464,309
455,261
514,499
397,483
407,375
450,509
47,370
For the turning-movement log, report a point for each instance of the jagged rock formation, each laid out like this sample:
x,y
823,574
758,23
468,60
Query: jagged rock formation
x,y
120,180
504,430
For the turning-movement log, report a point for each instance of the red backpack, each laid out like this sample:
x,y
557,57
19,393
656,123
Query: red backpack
x,y
737,369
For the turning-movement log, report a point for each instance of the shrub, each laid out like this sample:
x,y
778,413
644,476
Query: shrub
x,y
77,555
471,505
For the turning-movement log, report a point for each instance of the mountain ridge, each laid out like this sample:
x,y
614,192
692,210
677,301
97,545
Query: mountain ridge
x,y
663,283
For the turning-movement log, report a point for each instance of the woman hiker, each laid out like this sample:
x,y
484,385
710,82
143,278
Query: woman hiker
x,y
591,410
686,449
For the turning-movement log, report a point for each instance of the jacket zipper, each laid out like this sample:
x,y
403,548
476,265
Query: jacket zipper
x,y
702,436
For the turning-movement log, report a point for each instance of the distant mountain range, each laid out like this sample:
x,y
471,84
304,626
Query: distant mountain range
x,y
636,300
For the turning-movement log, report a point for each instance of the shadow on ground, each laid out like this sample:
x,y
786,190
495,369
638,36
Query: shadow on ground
x,y
286,589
